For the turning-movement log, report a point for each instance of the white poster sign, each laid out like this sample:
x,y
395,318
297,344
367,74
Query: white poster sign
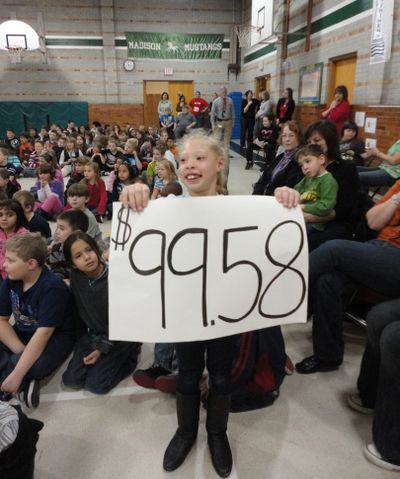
x,y
382,26
200,268
370,125
359,118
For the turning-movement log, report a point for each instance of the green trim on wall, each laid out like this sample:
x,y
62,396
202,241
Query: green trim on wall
x,y
260,53
74,42
339,15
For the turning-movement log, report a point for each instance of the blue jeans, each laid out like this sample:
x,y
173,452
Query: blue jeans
x,y
379,380
164,355
333,267
374,177
56,351
199,120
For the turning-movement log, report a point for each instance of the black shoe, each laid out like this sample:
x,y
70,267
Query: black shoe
x,y
30,394
218,407
187,409
313,364
177,450
147,377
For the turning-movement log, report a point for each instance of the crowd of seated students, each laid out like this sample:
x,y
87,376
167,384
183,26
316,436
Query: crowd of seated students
x,y
322,178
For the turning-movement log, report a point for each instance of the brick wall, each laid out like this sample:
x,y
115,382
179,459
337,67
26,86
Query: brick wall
x,y
387,127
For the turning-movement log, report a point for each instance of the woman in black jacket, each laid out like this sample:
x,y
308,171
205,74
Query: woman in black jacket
x,y
284,169
248,110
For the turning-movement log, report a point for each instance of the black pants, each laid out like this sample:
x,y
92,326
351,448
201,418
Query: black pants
x,y
191,360
18,460
269,151
106,373
379,380
246,131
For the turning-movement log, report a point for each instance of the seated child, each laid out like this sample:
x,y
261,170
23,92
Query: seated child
x,y
68,156
97,190
18,437
132,156
42,336
166,175
78,174
318,189
49,157
8,184
78,196
266,139
12,223
352,148
112,152
158,154
25,148
33,161
10,161
36,223
98,364
125,175
146,152
67,222
50,192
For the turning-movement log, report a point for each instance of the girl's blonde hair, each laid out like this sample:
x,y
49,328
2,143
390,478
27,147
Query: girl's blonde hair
x,y
132,142
213,142
170,169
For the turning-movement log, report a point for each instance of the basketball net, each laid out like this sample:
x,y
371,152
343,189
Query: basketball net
x,y
243,33
15,54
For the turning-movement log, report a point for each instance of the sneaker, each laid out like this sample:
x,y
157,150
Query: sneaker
x,y
30,395
355,402
372,454
147,377
166,384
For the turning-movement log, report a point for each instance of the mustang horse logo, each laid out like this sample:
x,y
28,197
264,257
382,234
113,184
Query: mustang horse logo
x,y
172,48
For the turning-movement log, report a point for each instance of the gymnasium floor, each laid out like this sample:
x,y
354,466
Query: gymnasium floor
x,y
308,433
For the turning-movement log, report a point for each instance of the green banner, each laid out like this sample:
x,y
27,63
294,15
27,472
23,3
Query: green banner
x,y
174,46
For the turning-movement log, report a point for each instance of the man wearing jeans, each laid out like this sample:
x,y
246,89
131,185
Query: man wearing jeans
x,y
339,263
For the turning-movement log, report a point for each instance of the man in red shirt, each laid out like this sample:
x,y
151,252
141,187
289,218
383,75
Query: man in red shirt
x,y
198,106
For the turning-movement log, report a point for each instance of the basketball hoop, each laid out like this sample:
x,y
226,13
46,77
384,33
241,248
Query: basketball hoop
x,y
243,33
15,54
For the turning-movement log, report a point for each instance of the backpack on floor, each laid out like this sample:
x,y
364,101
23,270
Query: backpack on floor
x,y
259,368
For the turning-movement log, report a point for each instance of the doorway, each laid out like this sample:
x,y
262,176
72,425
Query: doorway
x,y
342,72
152,90
262,83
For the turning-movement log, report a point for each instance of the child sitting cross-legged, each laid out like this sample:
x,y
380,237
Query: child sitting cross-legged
x,y
98,364
318,189
78,196
78,174
67,222
43,334
35,222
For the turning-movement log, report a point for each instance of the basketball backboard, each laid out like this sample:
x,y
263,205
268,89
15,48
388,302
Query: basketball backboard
x,y
262,14
17,37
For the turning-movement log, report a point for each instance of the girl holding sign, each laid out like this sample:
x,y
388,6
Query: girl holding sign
x,y
202,161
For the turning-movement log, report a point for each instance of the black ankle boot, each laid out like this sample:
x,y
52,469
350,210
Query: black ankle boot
x,y
217,421
187,408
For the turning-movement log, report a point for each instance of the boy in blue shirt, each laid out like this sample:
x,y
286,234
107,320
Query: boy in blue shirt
x,y
42,336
